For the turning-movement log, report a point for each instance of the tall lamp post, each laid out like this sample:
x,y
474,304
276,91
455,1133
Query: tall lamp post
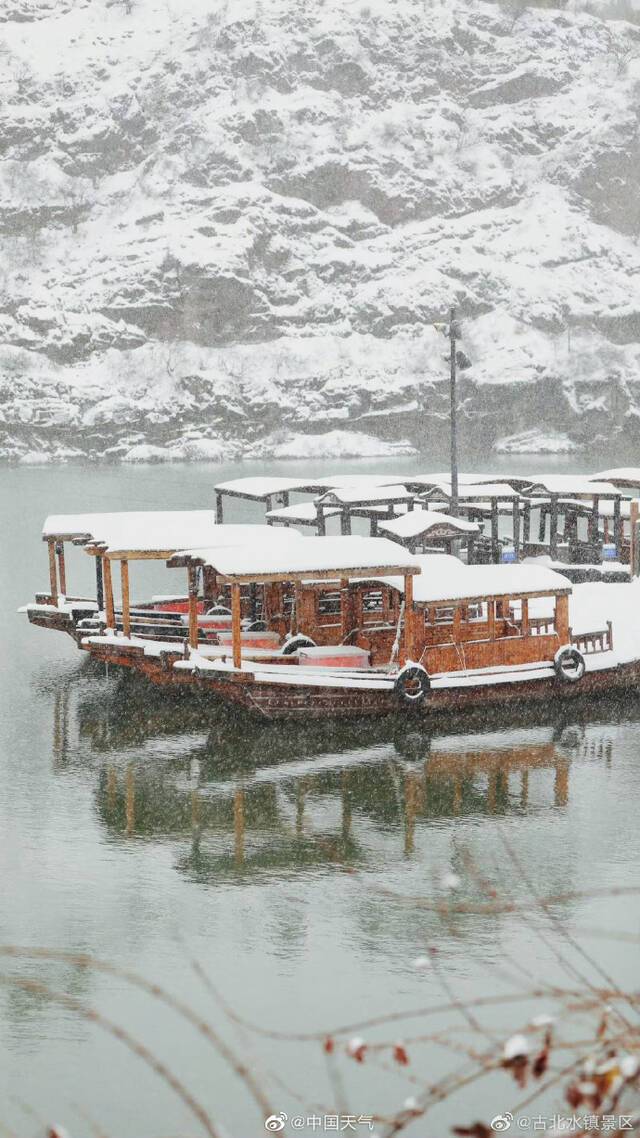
x,y
452,330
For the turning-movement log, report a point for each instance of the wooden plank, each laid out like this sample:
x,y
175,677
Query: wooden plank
x,y
108,593
62,575
562,618
236,624
126,612
53,574
409,618
193,607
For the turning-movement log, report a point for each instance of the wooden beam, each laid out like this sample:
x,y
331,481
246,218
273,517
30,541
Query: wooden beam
x,y
634,514
110,611
618,528
124,581
594,519
553,532
193,607
495,551
525,616
562,618
236,625
526,522
53,573
219,508
408,618
61,567
99,584
515,513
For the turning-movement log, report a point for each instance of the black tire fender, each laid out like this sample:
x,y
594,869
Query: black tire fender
x,y
297,641
569,664
412,684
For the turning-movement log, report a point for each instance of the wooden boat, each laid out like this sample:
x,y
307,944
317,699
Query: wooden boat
x,y
131,536
401,633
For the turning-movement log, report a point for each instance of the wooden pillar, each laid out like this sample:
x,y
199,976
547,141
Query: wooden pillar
x,y
634,514
321,521
346,609
110,611
345,523
525,617
219,508
373,526
53,573
409,647
594,520
495,549
553,530
99,584
542,523
526,522
516,526
491,620
193,606
124,579
61,567
562,618
285,498
618,531
236,625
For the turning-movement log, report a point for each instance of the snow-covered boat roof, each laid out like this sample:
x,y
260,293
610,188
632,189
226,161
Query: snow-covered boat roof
x,y
624,477
571,485
363,494
419,522
446,579
81,527
312,558
158,535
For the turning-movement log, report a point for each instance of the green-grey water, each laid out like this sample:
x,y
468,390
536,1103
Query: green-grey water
x,y
166,836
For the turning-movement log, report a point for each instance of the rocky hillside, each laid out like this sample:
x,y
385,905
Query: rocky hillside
x,y
227,226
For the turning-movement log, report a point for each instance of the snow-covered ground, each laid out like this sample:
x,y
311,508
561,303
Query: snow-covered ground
x,y
226,227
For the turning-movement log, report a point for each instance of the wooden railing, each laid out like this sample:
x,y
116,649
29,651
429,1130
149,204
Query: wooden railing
x,y
588,642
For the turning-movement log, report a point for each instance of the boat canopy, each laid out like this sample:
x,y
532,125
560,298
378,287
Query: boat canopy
x,y
156,536
419,523
445,579
312,558
82,527
259,489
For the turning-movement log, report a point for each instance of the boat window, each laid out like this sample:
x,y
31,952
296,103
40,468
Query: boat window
x,y
329,604
477,613
444,615
372,601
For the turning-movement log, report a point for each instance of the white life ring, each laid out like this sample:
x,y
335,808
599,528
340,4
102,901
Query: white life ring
x,y
569,664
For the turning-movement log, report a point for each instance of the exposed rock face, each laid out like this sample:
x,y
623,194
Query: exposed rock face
x,y
221,221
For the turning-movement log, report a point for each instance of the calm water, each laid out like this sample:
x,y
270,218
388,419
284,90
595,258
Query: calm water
x,y
154,832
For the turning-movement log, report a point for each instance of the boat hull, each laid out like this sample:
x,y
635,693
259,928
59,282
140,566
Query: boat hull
x,y
284,701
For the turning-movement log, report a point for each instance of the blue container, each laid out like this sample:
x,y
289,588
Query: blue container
x,y
508,555
608,551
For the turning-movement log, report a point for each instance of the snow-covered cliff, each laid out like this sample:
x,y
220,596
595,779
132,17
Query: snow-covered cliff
x,y
228,225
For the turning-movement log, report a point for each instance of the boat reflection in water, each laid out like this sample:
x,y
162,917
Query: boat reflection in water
x,y
276,799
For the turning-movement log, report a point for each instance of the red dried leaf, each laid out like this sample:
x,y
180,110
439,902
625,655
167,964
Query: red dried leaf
x,y
329,1045
400,1055
540,1063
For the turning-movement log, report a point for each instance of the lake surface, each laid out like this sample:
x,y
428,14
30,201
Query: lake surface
x,y
167,837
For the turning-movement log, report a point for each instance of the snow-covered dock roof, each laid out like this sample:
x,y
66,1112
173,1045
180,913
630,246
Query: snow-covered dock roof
x,y
363,494
624,477
302,512
571,485
446,579
483,491
158,535
307,559
259,488
416,523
